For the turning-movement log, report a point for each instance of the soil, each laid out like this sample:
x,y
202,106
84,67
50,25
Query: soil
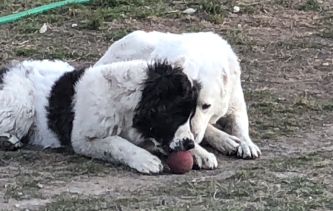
x,y
286,53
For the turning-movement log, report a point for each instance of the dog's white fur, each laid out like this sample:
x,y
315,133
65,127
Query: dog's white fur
x,y
209,59
98,131
23,100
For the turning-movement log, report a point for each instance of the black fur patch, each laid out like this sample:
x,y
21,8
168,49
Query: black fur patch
x,y
60,109
3,72
168,99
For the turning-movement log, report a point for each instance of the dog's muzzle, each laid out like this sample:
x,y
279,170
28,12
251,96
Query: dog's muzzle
x,y
182,145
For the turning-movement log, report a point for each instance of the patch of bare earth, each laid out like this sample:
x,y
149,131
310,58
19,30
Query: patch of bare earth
x,y
286,52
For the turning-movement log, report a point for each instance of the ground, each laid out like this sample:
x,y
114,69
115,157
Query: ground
x,y
286,52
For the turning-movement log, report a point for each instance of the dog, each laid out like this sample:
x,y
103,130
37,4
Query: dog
x,y
106,112
208,58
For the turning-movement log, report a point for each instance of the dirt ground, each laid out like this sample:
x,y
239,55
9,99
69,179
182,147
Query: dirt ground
x,y
286,52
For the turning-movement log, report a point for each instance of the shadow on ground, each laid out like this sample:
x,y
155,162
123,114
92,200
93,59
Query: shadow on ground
x,y
286,51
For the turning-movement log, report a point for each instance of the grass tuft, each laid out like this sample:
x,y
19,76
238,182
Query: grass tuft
x,y
310,5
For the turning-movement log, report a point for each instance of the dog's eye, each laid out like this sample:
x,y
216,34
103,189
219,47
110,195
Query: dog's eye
x,y
205,106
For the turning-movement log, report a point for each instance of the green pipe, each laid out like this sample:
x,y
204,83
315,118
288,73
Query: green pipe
x,y
38,10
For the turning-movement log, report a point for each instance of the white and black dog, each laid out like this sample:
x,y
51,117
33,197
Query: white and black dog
x,y
103,112
209,59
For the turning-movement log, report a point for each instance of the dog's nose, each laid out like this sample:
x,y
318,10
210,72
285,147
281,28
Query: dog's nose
x,y
188,144
182,145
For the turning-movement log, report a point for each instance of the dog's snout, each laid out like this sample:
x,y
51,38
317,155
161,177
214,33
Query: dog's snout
x,y
182,145
188,144
195,135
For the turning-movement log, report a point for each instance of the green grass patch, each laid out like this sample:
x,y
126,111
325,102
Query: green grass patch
x,y
53,53
272,117
253,187
310,5
8,7
26,186
284,3
77,165
114,35
295,163
121,9
237,37
93,16
74,202
214,11
327,33
304,5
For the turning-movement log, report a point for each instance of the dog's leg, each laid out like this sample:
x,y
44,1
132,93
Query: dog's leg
x,y
119,150
9,142
202,158
240,125
16,117
222,141
240,128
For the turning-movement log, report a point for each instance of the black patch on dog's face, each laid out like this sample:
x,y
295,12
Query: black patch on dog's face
x,y
3,72
60,109
168,99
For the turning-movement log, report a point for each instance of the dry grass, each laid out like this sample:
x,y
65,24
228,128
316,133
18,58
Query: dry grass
x,y
286,54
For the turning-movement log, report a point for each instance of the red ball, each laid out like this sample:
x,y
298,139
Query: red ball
x,y
180,162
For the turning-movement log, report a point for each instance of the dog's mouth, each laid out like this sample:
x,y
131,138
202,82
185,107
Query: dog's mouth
x,y
154,147
163,150
182,145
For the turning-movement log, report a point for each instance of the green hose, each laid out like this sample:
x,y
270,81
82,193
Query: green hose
x,y
38,10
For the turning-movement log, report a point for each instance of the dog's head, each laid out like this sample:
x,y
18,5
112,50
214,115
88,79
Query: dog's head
x,y
211,102
167,104
217,84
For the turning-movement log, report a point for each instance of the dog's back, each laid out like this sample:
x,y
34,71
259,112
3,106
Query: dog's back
x,y
24,96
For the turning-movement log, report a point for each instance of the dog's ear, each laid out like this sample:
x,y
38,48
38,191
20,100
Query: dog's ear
x,y
224,79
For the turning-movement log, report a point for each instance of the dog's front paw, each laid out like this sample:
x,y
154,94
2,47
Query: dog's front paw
x,y
248,150
222,141
205,160
228,144
9,142
147,163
